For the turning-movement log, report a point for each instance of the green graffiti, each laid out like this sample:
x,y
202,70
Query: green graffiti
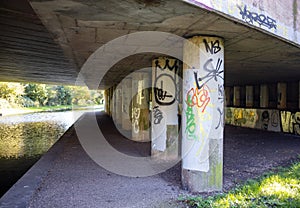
x,y
190,119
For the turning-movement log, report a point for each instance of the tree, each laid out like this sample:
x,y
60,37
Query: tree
x,y
11,92
80,95
36,92
63,95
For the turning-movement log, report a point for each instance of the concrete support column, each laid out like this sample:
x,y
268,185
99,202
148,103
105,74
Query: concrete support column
x,y
110,101
203,114
140,107
281,95
118,100
237,96
164,119
249,96
227,96
113,101
106,101
126,94
264,96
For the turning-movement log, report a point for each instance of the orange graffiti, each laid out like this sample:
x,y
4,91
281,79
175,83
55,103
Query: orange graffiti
x,y
199,97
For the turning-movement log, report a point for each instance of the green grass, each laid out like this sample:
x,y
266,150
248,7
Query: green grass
x,y
280,189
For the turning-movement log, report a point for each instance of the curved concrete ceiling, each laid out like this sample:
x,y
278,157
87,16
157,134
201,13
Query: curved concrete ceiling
x,y
80,27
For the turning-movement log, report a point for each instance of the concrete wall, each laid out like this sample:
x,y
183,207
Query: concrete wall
x,y
281,18
265,119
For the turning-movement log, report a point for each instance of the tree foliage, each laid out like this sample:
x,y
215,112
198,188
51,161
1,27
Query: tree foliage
x,y
32,94
11,93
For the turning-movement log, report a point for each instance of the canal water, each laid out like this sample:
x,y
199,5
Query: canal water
x,y
25,138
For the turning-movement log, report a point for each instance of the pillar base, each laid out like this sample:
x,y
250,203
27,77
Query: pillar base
x,y
211,181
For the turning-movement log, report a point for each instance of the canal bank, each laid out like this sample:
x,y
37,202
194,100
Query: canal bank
x,y
67,177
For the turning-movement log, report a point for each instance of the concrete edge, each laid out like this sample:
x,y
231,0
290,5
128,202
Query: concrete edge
x,y
21,193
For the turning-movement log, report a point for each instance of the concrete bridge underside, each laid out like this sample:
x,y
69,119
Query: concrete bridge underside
x,y
49,41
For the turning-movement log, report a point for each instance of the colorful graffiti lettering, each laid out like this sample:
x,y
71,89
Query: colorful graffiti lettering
x,y
190,120
199,97
238,117
290,122
270,120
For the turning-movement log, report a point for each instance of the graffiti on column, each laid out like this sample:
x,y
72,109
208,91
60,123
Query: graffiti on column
x,y
165,102
214,46
196,100
140,95
220,110
158,116
161,94
198,97
221,120
136,116
190,120
203,101
260,19
214,72
221,93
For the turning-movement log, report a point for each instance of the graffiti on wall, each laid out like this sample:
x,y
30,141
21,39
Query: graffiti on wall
x,y
203,94
254,17
268,16
265,119
253,118
290,122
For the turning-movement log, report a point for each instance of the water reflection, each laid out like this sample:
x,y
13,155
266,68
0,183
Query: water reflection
x,y
25,138
28,139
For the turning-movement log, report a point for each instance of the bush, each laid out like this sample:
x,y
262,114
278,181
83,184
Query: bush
x,y
27,102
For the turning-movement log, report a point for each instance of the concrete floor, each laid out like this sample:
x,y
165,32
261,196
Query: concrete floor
x,y
72,179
